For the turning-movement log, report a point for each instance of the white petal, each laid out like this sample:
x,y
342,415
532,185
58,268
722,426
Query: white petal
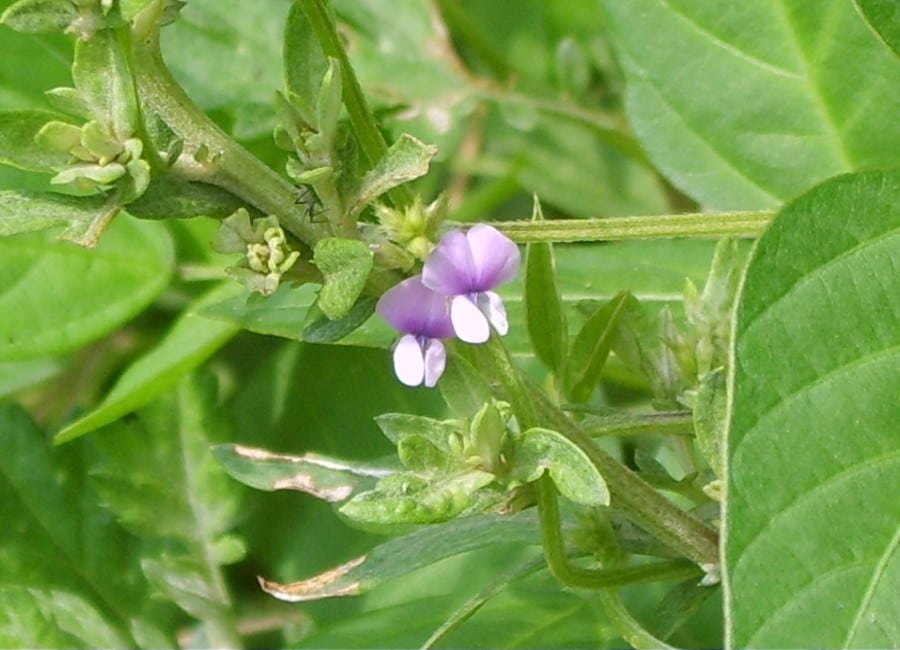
x,y
492,306
469,323
435,361
409,364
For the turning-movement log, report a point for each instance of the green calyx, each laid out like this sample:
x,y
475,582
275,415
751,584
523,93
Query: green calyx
x,y
414,228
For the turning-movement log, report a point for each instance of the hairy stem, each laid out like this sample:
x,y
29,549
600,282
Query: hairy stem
x,y
711,225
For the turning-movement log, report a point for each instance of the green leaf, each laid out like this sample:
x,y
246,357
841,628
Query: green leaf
x,y
591,348
304,62
407,553
22,212
39,16
406,499
59,542
576,477
18,130
405,160
40,618
113,282
16,375
318,328
103,80
345,265
884,17
331,479
543,306
463,388
397,425
171,197
811,524
748,108
710,413
190,341
160,478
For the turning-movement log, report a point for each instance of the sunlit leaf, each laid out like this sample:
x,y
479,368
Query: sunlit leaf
x,y
811,547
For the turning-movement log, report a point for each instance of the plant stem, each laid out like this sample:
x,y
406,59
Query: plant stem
x,y
711,225
371,141
637,499
632,631
679,423
209,154
576,576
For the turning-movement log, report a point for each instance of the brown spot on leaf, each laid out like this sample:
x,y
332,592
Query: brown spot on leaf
x,y
306,483
324,585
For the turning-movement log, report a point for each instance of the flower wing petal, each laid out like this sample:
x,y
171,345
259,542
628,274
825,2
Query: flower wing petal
x,y
469,323
413,308
495,257
449,269
491,305
435,362
409,362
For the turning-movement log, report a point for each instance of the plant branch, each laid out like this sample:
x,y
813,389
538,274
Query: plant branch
x,y
711,225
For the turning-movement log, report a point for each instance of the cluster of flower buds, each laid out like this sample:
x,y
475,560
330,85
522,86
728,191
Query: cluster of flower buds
x,y
452,296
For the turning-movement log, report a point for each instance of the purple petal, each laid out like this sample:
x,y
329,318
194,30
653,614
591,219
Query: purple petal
x,y
409,362
435,361
494,255
469,323
413,308
449,268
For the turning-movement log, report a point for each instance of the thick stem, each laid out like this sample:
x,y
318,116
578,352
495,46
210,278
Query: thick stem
x,y
209,154
677,423
711,225
638,500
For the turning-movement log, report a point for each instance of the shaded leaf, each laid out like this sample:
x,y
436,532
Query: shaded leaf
x,y
591,348
811,523
884,17
17,140
345,265
749,107
304,62
409,552
29,211
190,341
543,306
330,479
112,282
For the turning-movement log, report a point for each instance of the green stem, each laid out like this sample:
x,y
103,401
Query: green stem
x,y
638,500
576,576
229,165
632,631
711,225
371,141
678,423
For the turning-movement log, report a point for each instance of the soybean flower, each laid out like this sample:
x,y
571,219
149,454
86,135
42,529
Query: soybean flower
x,y
421,314
465,267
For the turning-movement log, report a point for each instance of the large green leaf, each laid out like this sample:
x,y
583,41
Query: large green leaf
x,y
56,296
160,478
812,548
748,106
884,17
190,341
67,571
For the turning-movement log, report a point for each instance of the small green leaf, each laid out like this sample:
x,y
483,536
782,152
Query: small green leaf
x,y
22,212
405,160
811,528
171,197
318,328
39,16
406,499
305,64
591,348
415,550
419,454
328,106
103,80
345,265
543,305
18,130
112,282
538,450
190,341
710,411
397,425
330,479
884,17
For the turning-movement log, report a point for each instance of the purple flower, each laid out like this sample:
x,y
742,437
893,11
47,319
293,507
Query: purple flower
x,y
465,267
421,314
